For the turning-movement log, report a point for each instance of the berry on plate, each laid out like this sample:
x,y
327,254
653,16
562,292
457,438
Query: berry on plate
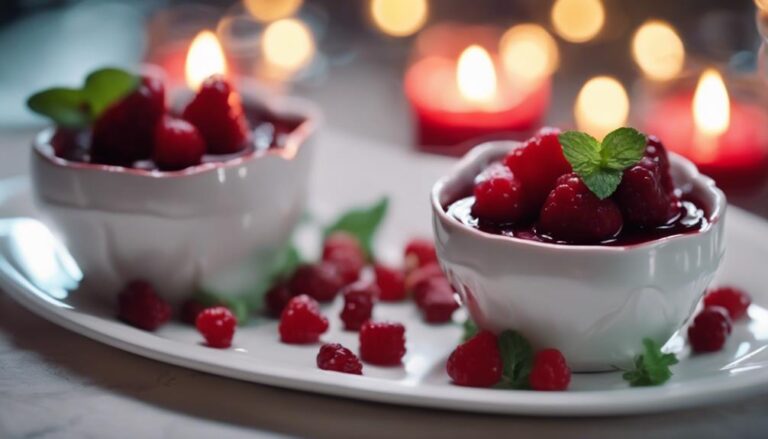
x,y
344,251
422,274
709,330
419,252
190,309
382,343
217,326
140,306
549,371
499,196
391,283
337,358
734,300
301,321
217,113
476,362
436,300
178,144
320,281
276,298
358,305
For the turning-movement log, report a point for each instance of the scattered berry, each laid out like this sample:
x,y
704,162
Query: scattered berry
x,y
435,286
382,343
276,298
476,362
642,197
335,357
437,306
549,371
358,305
301,321
709,330
140,306
342,241
217,325
573,214
190,309
217,112
320,281
419,252
178,144
419,275
734,300
345,252
391,283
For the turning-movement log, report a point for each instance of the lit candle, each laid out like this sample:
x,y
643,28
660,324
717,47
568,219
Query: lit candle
x,y
205,58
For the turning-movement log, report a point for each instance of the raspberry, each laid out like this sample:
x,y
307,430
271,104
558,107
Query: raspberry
x,y
140,306
320,281
418,253
549,371
498,196
438,305
419,275
124,132
178,144
537,164
342,241
435,287
476,362
301,321
573,214
358,305
217,325
335,357
345,252
642,197
709,330
276,298
190,309
656,151
391,283
382,343
217,112
734,300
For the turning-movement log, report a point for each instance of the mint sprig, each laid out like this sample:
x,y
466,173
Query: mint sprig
x,y
517,358
361,223
470,330
601,164
651,367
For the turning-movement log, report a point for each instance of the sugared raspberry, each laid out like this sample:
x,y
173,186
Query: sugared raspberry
x,y
498,196
217,113
537,164
476,362
190,309
335,357
345,252
391,283
140,306
573,214
382,343
734,300
549,371
276,298
217,326
301,321
124,132
418,253
643,199
656,151
358,305
178,144
709,330
320,281
419,275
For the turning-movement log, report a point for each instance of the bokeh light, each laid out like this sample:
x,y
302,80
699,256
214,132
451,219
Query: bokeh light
x,y
658,50
528,52
288,44
399,18
270,10
205,57
578,21
476,76
601,106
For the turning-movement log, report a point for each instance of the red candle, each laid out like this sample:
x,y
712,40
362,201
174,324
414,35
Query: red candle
x,y
725,137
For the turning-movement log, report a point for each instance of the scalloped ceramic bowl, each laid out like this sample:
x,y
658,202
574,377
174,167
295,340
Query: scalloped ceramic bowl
x,y
594,303
211,226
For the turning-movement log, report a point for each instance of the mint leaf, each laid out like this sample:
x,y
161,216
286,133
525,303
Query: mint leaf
x,y
581,150
651,367
517,357
470,330
66,107
622,148
361,223
105,86
602,182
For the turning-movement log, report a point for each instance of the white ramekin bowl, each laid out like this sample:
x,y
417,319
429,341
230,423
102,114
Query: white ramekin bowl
x,y
593,303
211,226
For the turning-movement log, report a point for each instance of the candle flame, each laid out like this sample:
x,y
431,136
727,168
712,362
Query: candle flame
x,y
658,50
711,106
601,106
204,58
476,75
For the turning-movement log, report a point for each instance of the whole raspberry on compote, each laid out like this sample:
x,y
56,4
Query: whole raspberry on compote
x,y
657,152
549,371
276,298
217,113
140,306
499,196
573,214
391,283
301,321
217,326
124,132
710,330
643,198
734,300
382,343
320,281
345,252
178,144
418,253
337,358
476,362
190,309
358,305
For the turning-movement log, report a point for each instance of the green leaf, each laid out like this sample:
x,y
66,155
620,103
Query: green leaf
x,y
517,357
362,223
652,367
622,148
105,86
602,182
470,330
66,107
581,150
